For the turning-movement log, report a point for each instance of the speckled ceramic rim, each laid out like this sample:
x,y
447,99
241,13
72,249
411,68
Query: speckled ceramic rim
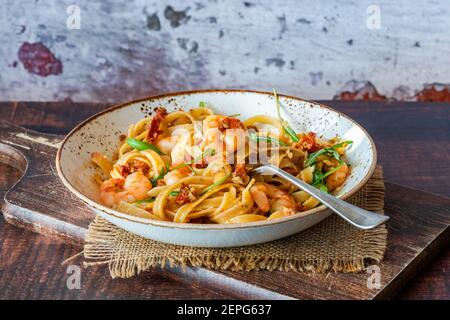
x,y
169,224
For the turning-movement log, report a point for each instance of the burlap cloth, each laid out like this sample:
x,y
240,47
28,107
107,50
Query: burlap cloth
x,y
332,244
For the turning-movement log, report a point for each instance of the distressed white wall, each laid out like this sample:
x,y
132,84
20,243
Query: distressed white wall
x,y
305,48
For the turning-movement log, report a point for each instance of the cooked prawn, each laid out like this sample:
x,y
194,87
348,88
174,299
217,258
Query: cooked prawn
x,y
137,185
269,197
175,175
221,122
224,133
133,187
179,151
167,144
337,178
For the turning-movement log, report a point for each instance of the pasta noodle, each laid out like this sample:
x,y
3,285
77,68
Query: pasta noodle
x,y
194,167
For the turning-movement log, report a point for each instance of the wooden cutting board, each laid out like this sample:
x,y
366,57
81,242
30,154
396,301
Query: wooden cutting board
x,y
418,229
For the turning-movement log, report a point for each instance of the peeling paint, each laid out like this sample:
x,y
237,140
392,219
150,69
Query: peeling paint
x,y
176,18
304,21
194,47
277,62
153,22
60,38
358,90
316,77
21,29
128,49
183,43
292,65
403,93
283,25
434,92
37,59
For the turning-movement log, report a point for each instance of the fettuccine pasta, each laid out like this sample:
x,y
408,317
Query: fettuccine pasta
x,y
194,167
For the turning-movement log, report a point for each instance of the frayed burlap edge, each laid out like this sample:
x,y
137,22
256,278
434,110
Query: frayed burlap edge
x,y
127,254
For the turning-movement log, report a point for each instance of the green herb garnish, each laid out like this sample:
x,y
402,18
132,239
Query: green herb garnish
x,y
289,131
202,104
330,151
215,184
234,115
319,177
147,200
142,145
255,137
322,187
161,175
174,193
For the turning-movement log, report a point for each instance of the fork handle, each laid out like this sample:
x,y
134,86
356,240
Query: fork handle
x,y
358,217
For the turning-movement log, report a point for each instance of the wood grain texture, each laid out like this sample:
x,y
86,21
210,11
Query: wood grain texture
x,y
433,284
419,226
64,216
30,268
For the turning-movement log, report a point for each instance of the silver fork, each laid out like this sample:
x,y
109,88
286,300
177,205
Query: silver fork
x,y
358,217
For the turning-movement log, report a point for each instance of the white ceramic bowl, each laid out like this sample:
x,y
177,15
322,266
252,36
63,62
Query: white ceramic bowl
x,y
100,133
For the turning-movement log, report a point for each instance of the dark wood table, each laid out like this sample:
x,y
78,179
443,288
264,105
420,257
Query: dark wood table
x,y
413,141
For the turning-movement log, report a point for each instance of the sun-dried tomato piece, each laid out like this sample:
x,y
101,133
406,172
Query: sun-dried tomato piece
x,y
308,142
185,196
229,123
140,166
240,174
153,130
134,166
124,170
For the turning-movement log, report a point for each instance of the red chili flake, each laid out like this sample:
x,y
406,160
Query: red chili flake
x,y
37,59
153,130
